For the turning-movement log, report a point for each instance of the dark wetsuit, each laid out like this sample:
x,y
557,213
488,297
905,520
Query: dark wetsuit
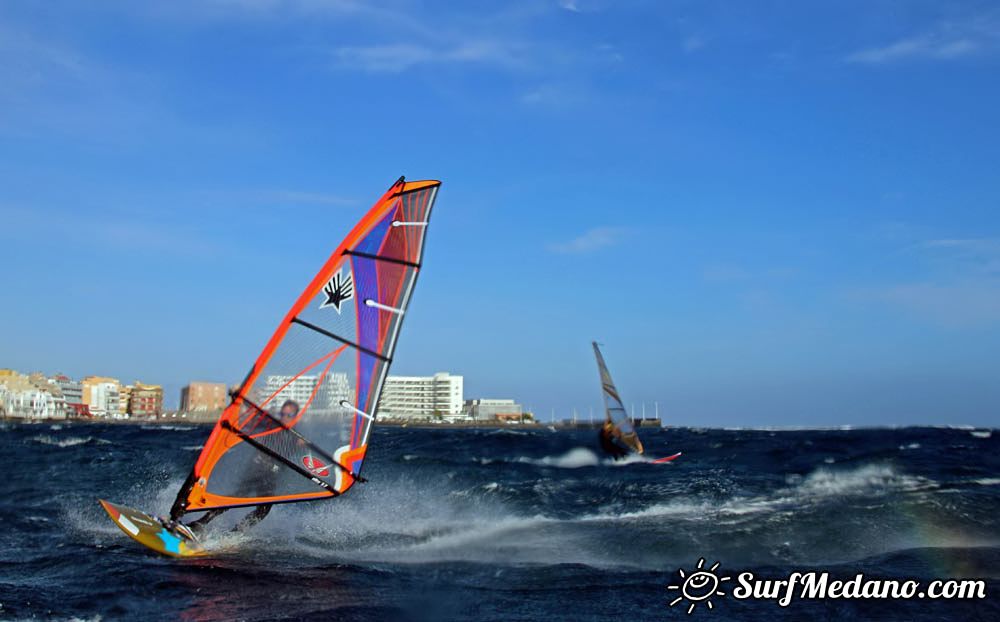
x,y
609,446
261,478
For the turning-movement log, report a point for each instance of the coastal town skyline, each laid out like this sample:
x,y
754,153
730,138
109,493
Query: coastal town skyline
x,y
36,395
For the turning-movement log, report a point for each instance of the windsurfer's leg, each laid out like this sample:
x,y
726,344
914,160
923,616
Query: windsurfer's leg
x,y
199,525
253,518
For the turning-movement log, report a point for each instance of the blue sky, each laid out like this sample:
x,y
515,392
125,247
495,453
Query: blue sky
x,y
772,213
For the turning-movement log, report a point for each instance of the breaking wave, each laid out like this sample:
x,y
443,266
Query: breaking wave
x,y
72,441
582,457
435,523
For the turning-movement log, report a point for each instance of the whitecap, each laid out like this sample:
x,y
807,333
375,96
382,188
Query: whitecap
x,y
71,441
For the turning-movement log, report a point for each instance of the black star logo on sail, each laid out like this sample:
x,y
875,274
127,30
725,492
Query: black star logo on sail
x,y
337,290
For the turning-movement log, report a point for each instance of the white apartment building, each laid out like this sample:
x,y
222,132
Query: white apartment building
x,y
103,398
331,393
422,397
30,398
72,390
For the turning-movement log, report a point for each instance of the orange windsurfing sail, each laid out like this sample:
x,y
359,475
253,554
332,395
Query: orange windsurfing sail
x,y
297,428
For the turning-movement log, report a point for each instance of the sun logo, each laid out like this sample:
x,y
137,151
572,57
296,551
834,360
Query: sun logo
x,y
699,586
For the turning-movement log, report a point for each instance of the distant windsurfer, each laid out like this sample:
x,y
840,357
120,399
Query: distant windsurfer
x,y
617,435
607,436
261,477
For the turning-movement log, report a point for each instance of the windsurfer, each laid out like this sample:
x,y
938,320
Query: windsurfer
x,y
262,476
608,437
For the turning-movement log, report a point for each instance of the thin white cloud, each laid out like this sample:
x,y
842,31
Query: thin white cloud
x,y
551,96
583,6
299,6
239,198
725,272
916,48
52,85
399,17
961,289
29,61
737,273
609,52
113,231
967,303
971,256
978,244
314,198
947,41
591,240
692,43
402,56
398,35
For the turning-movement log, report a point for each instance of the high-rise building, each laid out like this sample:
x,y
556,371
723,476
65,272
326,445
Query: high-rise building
x,y
422,397
102,396
203,397
146,401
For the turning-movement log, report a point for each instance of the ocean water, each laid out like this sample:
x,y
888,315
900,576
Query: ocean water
x,y
510,525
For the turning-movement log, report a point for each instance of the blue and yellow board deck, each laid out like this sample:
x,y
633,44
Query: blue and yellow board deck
x,y
149,532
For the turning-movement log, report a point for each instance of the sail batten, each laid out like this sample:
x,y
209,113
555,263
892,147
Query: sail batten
x,y
382,258
303,414
343,340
